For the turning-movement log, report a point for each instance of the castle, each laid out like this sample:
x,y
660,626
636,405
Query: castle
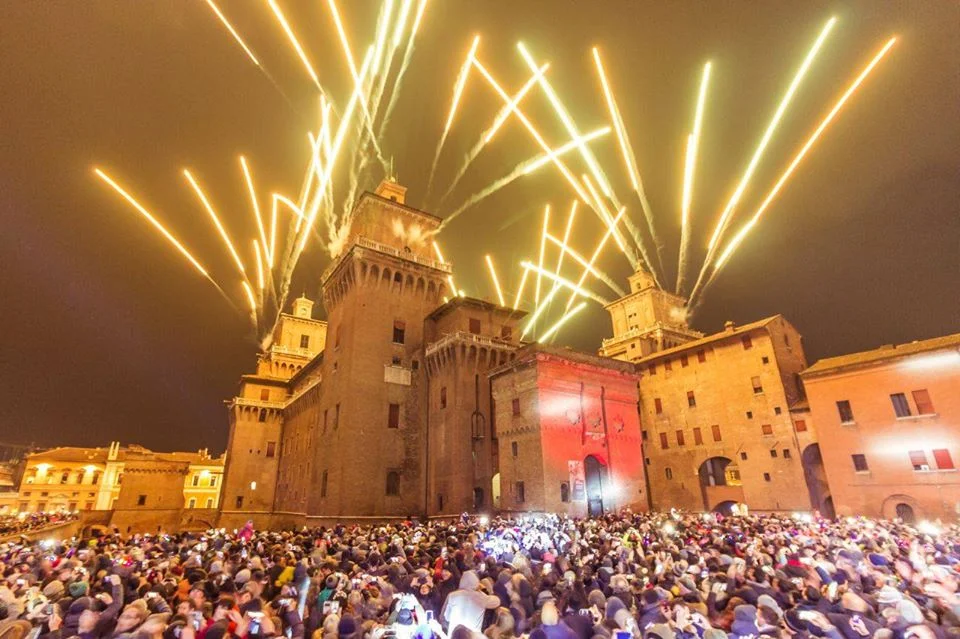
x,y
412,400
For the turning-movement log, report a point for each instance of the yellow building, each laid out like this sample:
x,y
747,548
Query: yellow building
x,y
75,479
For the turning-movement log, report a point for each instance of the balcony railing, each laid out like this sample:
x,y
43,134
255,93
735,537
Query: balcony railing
x,y
287,350
463,336
386,249
259,403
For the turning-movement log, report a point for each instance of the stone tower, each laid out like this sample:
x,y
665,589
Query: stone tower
x,y
256,413
368,453
646,320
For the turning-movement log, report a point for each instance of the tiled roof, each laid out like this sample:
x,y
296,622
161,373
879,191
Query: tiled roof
x,y
883,353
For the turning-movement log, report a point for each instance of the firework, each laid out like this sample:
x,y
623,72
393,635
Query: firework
x,y
233,32
552,331
496,281
771,196
523,283
546,158
592,270
294,42
261,282
576,288
256,206
596,254
436,249
693,143
543,248
216,221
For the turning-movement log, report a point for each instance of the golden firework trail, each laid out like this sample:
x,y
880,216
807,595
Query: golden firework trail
x,y
436,249
296,43
216,221
458,88
563,149
577,289
596,254
768,134
252,300
156,224
261,282
496,281
552,331
543,248
693,144
604,213
487,135
579,259
771,196
523,283
233,32
629,159
256,206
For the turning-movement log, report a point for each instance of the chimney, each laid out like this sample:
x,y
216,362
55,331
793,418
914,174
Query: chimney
x,y
729,325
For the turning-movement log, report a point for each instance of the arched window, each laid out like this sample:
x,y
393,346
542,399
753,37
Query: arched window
x,y
669,472
393,483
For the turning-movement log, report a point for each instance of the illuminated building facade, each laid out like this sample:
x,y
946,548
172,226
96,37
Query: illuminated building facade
x,y
892,420
82,479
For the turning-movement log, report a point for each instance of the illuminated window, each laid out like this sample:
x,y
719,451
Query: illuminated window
x,y
271,449
767,429
922,399
860,463
757,385
747,342
664,444
474,326
658,406
800,425
399,331
846,412
943,459
393,416
304,341
716,432
515,405
680,440
918,459
691,399
900,405
697,436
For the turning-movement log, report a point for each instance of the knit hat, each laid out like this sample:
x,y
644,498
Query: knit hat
x,y
53,590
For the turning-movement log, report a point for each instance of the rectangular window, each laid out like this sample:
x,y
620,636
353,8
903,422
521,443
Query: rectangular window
x,y
747,342
514,449
474,326
213,481
304,341
399,331
767,429
264,394
773,452
668,472
239,501
271,449
743,456
196,480
141,500
684,362
900,405
765,359
697,436
209,502
846,412
787,454
443,397
667,366
922,399
658,406
652,369
506,332
644,435
521,493
918,459
800,425
263,415
943,459
757,386
716,432
701,356
336,416
393,416
860,463
680,441
776,410
749,414
515,405
766,477
664,444
691,399
192,503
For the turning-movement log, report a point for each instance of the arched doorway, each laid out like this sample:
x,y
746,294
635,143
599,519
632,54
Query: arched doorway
x,y
725,508
719,482
595,474
816,478
495,491
905,512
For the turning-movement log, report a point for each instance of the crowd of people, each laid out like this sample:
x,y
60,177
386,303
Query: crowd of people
x,y
18,524
624,576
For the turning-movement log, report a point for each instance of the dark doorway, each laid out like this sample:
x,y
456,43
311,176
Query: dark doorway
x,y
477,499
725,508
905,512
828,510
595,473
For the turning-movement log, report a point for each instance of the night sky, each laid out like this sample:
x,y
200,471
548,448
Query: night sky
x,y
108,334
